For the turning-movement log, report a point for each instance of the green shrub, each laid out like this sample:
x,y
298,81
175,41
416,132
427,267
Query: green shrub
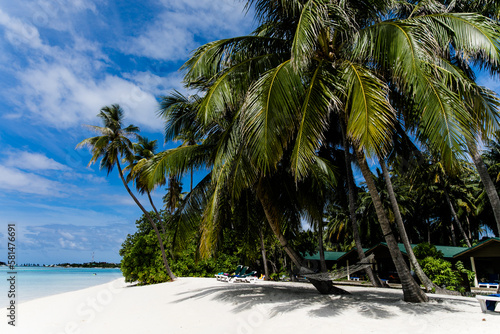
x,y
441,272
424,250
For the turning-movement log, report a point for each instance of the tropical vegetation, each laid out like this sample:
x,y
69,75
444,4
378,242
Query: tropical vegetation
x,y
288,118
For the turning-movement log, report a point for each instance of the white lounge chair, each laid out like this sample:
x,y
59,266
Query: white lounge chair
x,y
483,299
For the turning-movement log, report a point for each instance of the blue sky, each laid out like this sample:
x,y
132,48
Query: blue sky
x,y
60,62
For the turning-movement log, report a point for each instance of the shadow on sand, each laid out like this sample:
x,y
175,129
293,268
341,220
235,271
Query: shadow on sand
x,y
282,298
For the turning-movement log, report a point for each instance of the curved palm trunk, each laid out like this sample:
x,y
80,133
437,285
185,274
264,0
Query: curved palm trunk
x,y
321,249
148,216
162,225
455,217
429,285
352,212
191,183
264,255
272,215
489,186
411,290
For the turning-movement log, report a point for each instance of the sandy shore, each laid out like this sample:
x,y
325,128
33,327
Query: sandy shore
x,y
204,305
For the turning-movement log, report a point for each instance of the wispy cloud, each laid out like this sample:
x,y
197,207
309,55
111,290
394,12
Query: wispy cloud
x,y
14,180
178,29
33,161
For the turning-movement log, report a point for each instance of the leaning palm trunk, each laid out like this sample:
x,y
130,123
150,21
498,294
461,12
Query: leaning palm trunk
x,y
429,285
148,216
352,212
162,225
455,217
489,187
321,248
411,290
264,255
272,215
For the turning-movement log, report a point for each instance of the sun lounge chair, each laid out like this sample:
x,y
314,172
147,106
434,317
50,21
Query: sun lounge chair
x,y
488,285
222,276
245,277
231,277
488,303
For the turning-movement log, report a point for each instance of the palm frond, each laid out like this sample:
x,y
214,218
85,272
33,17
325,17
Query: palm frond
x,y
269,114
318,102
370,117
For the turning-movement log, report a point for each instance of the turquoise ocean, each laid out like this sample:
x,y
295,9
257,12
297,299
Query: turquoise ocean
x,y
37,282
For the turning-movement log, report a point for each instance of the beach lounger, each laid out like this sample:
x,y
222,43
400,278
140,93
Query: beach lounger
x,y
222,276
488,285
245,277
488,303
230,278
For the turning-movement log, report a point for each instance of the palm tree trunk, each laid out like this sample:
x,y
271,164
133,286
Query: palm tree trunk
x,y
191,183
148,216
429,285
320,245
411,290
157,213
273,218
264,255
351,187
455,217
489,186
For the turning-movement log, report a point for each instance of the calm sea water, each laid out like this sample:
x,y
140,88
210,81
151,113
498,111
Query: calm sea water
x,y
36,282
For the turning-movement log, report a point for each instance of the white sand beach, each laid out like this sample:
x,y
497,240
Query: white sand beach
x,y
205,305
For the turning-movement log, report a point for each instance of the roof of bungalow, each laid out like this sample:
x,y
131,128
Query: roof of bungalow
x,y
352,253
486,248
329,256
448,251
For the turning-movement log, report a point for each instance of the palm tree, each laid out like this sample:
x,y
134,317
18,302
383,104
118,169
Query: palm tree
x,y
309,60
110,146
144,150
179,113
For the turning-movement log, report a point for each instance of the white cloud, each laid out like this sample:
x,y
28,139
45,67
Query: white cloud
x,y
179,28
19,32
33,161
63,98
64,84
14,180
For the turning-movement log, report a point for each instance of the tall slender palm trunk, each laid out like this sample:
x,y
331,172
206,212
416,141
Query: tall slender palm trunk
x,y
148,216
321,248
429,285
455,217
411,290
489,186
273,218
351,187
264,254
162,225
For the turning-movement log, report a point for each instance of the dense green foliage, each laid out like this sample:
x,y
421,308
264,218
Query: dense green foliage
x,y
286,111
424,250
444,274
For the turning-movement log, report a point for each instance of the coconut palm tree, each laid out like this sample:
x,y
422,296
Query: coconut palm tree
x,y
311,59
111,145
179,113
144,149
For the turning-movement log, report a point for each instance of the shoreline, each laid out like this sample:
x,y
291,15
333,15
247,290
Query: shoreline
x,y
205,305
31,284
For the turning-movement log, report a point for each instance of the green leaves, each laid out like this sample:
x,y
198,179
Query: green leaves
x,y
317,104
370,116
269,115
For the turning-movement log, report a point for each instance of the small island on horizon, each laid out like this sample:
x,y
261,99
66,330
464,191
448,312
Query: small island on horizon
x,y
70,265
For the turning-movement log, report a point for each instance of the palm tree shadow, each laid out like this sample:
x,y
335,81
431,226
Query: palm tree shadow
x,y
280,299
